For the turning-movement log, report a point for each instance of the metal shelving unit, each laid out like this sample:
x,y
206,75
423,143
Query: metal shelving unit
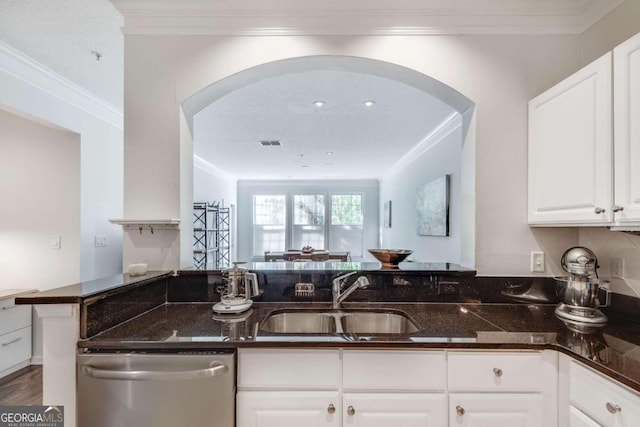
x,y
211,235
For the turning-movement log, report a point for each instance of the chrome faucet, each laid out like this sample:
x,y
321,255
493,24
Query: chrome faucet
x,y
338,283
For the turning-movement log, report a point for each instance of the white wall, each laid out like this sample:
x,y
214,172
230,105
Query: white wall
x,y
28,88
246,190
442,158
40,188
499,73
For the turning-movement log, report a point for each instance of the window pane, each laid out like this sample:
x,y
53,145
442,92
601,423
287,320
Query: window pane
x,y
269,209
269,214
308,235
346,209
308,209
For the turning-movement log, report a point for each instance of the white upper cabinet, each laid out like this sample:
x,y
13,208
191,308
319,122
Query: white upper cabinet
x,y
570,150
584,155
626,96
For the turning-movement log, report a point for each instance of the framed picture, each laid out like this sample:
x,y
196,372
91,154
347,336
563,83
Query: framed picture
x,y
387,214
432,205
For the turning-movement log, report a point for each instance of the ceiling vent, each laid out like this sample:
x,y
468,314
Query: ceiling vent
x,y
270,143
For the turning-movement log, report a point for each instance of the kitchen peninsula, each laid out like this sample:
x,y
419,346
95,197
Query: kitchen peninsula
x,y
171,311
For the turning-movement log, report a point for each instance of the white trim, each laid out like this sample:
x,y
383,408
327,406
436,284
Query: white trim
x,y
350,17
448,125
18,65
201,163
36,360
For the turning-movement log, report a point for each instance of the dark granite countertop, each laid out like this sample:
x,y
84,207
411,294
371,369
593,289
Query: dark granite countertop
x,y
75,294
613,349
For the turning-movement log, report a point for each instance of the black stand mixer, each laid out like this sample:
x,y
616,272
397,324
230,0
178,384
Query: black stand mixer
x,y
579,291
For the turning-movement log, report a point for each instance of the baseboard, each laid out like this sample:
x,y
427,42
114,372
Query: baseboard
x,y
36,360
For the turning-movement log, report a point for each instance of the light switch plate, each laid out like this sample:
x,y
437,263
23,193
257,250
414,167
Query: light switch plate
x,y
55,242
537,262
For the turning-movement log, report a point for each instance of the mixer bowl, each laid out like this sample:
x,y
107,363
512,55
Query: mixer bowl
x,y
577,293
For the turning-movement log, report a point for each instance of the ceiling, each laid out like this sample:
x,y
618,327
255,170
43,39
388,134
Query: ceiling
x,y
68,35
363,141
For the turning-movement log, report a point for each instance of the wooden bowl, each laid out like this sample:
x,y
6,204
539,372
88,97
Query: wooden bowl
x,y
390,258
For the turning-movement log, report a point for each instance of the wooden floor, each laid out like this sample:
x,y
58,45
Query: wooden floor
x,y
22,388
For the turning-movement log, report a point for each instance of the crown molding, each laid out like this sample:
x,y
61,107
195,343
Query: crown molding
x,y
204,165
448,125
19,66
349,17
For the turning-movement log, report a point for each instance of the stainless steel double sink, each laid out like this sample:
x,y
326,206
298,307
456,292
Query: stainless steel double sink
x,y
350,321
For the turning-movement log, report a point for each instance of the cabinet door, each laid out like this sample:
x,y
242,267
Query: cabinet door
x,y
570,150
401,409
626,66
495,410
287,409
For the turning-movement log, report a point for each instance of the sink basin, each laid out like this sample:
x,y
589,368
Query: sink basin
x,y
357,321
377,322
299,322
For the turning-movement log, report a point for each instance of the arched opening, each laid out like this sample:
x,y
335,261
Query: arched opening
x,y
451,130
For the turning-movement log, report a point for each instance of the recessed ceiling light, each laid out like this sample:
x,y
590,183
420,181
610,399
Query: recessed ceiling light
x,y
305,166
319,103
329,153
369,103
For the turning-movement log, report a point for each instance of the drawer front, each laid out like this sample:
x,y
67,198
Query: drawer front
x,y
15,347
289,369
13,317
603,400
393,370
495,371
579,419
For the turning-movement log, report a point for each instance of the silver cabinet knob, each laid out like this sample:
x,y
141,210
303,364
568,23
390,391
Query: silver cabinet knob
x,y
331,409
613,408
460,410
351,410
617,208
497,372
598,210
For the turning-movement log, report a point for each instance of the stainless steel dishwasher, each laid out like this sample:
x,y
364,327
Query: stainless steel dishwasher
x,y
156,390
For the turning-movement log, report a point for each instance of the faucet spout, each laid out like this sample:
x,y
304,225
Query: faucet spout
x,y
338,283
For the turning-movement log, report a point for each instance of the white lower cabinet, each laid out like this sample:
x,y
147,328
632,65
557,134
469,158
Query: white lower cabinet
x,y
397,409
503,389
288,409
601,400
496,410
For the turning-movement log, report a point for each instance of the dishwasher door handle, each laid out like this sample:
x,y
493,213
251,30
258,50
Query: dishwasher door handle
x,y
216,369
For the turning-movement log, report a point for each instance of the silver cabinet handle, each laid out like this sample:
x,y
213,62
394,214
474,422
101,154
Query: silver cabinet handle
x,y
331,409
617,208
598,210
106,374
497,372
9,307
351,410
460,410
613,408
13,341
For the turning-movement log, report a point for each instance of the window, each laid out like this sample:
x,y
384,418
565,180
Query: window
x,y
322,221
346,230
269,220
308,221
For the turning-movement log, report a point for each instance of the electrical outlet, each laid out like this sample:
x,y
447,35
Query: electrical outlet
x,y
537,262
617,267
101,241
